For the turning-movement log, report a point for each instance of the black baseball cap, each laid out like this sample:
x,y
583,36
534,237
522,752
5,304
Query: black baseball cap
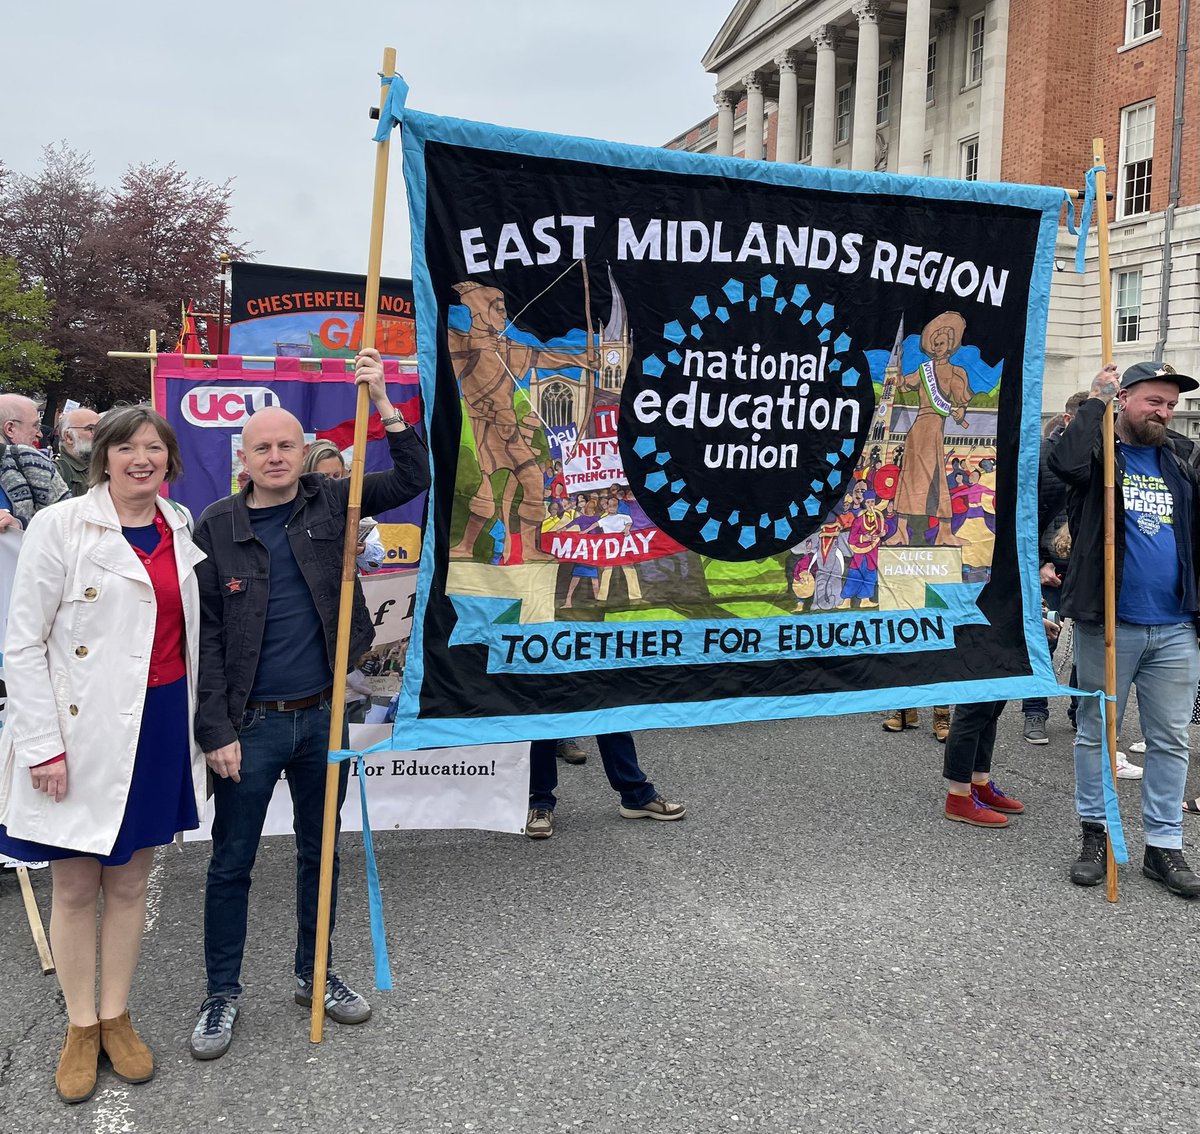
x,y
1144,371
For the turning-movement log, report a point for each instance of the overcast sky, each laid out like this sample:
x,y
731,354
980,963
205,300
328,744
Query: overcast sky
x,y
275,94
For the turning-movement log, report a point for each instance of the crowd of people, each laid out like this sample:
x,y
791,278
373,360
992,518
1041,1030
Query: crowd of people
x,y
152,657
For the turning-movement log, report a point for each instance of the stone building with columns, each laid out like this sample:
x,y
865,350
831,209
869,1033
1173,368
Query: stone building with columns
x,y
996,90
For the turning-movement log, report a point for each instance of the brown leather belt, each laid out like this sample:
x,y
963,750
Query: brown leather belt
x,y
292,706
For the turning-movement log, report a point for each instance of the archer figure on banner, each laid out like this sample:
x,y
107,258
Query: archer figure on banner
x,y
943,391
488,364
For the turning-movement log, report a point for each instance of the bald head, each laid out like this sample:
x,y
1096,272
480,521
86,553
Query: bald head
x,y
273,453
19,422
273,419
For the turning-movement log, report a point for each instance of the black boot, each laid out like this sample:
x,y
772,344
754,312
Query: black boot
x,y
1168,866
1091,867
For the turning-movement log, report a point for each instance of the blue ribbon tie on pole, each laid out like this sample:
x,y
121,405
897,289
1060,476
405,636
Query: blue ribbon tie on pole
x,y
393,106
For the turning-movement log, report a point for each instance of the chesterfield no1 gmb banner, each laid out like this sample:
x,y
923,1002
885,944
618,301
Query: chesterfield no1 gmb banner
x,y
716,440
302,313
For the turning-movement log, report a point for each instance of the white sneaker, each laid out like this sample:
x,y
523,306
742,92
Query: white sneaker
x,y
1138,746
1126,770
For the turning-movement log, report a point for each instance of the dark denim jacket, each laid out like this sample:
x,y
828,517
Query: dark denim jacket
x,y
235,579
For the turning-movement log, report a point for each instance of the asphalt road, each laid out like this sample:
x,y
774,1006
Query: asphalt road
x,y
813,949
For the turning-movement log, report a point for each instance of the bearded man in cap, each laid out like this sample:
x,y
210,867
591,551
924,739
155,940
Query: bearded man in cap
x,y
1157,549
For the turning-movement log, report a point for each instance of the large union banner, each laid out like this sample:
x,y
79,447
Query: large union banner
x,y
715,440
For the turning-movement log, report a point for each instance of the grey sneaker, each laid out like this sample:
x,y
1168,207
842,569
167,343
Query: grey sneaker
x,y
342,1004
657,808
1035,729
539,823
213,1032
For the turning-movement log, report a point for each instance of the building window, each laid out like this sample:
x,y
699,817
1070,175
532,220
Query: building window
x,y
558,407
883,97
1137,159
1142,18
841,131
1129,306
975,50
927,165
806,132
930,72
969,160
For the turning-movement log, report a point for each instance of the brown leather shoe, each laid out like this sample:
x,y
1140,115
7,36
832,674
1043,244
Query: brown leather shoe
x,y
941,723
132,1061
75,1078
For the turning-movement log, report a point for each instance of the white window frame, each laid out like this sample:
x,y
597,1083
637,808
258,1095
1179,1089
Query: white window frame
x,y
1136,152
973,74
843,106
1140,13
968,159
1127,305
931,73
927,165
806,132
883,96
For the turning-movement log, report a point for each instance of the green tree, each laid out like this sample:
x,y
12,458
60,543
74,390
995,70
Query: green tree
x,y
27,362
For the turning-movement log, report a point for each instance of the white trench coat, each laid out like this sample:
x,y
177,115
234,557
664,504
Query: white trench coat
x,y
76,661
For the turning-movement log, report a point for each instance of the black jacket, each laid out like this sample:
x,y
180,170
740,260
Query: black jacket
x,y
1052,505
235,579
1078,459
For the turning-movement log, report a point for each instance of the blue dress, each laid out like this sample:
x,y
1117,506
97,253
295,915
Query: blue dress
x,y
161,798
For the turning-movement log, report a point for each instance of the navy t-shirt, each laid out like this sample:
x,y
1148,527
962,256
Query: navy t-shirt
x,y
1151,585
293,662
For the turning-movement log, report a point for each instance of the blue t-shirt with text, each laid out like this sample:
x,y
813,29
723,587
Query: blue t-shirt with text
x,y
1151,591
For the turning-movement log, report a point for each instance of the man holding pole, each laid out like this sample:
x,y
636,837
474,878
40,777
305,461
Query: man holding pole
x,y
1157,539
269,602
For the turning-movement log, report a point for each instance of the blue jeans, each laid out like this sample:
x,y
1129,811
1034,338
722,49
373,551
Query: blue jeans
x,y
1164,663
617,753
294,744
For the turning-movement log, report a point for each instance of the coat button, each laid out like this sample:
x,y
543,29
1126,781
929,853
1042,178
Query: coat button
x,y
74,710
90,593
81,651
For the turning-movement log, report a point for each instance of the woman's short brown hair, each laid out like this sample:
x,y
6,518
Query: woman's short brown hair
x,y
117,426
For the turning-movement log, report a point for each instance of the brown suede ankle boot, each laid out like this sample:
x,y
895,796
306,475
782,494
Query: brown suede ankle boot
x,y
76,1074
132,1061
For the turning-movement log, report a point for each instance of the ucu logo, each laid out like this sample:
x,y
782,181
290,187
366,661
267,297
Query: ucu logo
x,y
225,406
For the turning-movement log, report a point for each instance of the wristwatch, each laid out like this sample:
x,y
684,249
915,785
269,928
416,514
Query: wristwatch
x,y
396,418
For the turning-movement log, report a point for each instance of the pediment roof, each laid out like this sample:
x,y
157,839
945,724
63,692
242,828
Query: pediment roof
x,y
747,18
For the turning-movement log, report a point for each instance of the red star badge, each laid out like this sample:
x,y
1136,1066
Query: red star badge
x,y
233,586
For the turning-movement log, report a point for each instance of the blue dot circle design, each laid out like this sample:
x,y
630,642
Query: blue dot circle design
x,y
764,533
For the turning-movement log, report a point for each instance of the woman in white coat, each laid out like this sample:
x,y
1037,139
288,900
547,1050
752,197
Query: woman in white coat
x,y
98,764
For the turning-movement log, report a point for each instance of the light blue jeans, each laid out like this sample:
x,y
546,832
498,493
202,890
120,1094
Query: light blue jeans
x,y
1164,663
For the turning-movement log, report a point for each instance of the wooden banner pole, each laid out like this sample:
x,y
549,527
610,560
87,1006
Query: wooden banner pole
x,y
341,662
1110,481
153,356
143,354
38,930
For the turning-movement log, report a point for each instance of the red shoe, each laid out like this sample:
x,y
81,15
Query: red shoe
x,y
968,809
991,796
